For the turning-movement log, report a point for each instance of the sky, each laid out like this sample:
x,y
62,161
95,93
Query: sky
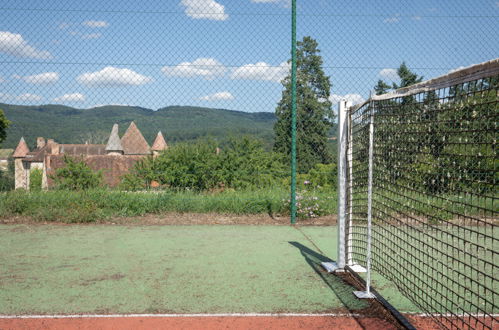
x,y
229,54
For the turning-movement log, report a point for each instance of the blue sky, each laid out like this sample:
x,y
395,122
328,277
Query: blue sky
x,y
226,53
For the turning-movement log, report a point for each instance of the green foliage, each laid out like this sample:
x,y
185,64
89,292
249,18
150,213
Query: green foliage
x,y
241,163
381,87
188,166
4,124
406,76
314,112
324,176
76,175
245,164
97,204
7,176
439,147
35,179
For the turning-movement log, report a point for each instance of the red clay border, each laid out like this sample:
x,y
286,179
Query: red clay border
x,y
208,323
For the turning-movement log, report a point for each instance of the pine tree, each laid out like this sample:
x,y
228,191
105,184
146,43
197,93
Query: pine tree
x,y
381,87
314,113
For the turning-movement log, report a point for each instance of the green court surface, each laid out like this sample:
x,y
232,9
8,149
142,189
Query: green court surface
x,y
56,269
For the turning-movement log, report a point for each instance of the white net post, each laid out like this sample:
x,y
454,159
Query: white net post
x,y
343,131
367,294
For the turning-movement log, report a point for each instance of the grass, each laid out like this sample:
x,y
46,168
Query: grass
x,y
94,205
168,269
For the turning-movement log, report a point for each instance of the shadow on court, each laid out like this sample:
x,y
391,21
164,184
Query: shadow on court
x,y
361,310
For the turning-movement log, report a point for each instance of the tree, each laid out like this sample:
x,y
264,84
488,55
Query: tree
x,y
4,124
395,125
314,117
76,175
406,76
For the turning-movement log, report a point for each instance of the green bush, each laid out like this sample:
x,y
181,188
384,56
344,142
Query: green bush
x,y
7,176
35,179
241,163
76,175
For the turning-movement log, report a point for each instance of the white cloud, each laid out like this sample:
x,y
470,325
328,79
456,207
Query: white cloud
x,y
393,19
75,97
218,96
1,79
29,97
15,45
416,18
261,71
42,78
208,68
4,96
390,74
207,9
91,35
456,69
96,24
354,98
64,26
111,76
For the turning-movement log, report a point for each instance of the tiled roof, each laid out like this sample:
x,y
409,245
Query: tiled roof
x,y
82,149
159,143
114,142
21,149
133,142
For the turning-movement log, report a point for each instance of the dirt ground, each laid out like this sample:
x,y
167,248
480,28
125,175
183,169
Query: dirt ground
x,y
194,219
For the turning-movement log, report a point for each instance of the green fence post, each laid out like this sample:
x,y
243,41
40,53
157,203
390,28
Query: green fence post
x,y
293,112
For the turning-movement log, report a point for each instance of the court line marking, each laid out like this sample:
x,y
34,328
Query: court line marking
x,y
55,316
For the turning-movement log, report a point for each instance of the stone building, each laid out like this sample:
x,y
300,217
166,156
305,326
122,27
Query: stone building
x,y
115,158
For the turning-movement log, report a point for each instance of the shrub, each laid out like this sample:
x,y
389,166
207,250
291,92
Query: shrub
x,y
35,179
76,175
242,163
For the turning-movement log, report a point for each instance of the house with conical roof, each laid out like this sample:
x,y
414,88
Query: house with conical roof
x,y
115,158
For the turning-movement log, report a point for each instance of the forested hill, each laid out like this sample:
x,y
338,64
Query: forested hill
x,y
178,123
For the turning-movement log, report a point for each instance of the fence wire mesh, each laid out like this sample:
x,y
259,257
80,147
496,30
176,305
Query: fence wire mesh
x,y
207,73
435,196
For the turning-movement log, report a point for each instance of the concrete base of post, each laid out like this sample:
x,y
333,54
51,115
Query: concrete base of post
x,y
364,295
331,267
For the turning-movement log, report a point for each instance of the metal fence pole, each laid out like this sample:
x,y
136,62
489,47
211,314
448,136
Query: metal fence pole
x,y
293,113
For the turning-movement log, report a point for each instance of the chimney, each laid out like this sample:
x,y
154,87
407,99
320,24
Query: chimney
x,y
40,142
54,149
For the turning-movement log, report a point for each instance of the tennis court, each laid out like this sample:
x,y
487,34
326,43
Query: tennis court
x,y
209,270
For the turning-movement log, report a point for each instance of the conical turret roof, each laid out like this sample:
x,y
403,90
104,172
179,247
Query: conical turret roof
x,y
159,143
22,149
114,142
133,142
